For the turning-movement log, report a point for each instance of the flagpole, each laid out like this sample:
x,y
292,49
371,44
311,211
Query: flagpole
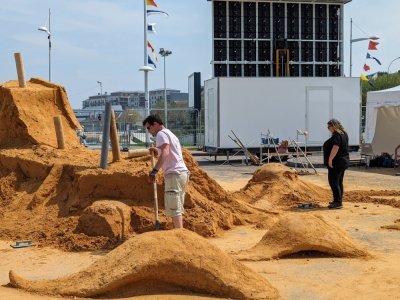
x,y
351,44
146,71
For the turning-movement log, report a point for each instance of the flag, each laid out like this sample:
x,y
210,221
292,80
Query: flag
x,y
151,27
151,3
155,11
366,68
150,61
371,57
150,46
372,45
155,56
363,77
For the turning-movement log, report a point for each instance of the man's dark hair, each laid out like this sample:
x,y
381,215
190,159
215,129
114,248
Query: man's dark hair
x,y
152,119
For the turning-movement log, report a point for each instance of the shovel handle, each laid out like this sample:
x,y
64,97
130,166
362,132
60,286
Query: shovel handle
x,y
157,223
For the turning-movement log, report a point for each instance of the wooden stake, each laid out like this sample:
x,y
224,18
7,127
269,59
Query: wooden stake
x,y
114,138
59,132
20,69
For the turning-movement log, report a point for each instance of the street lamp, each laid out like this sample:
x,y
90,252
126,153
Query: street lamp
x,y
374,38
47,30
387,74
163,52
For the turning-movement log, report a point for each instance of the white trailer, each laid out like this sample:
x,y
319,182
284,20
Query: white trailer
x,y
251,106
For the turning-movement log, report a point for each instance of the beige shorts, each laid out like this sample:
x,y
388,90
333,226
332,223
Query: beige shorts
x,y
174,194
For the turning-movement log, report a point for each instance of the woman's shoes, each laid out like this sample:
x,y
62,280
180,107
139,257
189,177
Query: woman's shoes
x,y
335,205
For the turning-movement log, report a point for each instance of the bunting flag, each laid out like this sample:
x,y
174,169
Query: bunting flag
x,y
150,46
150,61
155,56
151,3
366,68
155,11
371,57
151,27
372,45
363,77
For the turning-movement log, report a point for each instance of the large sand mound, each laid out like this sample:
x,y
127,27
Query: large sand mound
x,y
179,259
295,233
45,192
277,185
26,114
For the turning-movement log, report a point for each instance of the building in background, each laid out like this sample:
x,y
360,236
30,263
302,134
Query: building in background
x,y
278,38
133,99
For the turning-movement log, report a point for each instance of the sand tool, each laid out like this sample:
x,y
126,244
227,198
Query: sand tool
x,y
157,222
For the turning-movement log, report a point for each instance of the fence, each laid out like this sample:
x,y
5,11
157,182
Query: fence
x,y
186,124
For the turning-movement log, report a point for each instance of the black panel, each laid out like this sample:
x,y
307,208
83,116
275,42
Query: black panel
x,y
235,70
235,50
220,70
220,51
250,70
294,70
293,50
220,19
293,21
249,20
264,30
307,21
321,70
250,50
307,70
334,70
321,53
264,70
321,22
264,51
278,20
333,52
307,51
235,14
334,22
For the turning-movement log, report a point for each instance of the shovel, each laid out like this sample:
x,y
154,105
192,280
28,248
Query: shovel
x,y
157,222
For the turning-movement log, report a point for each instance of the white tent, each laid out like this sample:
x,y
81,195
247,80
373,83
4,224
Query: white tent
x,y
382,126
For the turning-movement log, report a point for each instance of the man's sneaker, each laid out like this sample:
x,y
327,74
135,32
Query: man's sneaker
x,y
335,205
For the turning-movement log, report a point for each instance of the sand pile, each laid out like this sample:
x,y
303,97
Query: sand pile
x,y
386,197
277,185
177,260
46,192
395,226
296,233
60,197
26,114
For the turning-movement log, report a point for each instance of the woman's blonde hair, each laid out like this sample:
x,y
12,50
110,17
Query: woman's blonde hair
x,y
336,126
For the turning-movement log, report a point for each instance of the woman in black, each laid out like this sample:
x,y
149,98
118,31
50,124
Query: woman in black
x,y
336,158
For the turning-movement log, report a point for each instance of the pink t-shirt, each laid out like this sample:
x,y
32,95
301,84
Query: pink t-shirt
x,y
173,163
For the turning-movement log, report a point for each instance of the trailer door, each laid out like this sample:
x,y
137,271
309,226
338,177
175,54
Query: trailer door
x,y
319,106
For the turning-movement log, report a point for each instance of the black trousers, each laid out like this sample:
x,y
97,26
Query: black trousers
x,y
335,178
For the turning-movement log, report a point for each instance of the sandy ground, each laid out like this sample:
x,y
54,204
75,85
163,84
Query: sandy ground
x,y
296,278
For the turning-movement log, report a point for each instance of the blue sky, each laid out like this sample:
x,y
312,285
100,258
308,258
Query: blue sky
x,y
103,40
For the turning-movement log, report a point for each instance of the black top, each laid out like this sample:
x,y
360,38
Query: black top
x,y
341,160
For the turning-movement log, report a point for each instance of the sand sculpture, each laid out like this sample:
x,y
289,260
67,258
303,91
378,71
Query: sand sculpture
x,y
179,259
26,115
44,191
275,185
295,233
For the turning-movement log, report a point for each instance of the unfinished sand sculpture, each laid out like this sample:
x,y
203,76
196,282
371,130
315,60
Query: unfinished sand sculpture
x,y
277,185
295,233
45,191
26,114
179,259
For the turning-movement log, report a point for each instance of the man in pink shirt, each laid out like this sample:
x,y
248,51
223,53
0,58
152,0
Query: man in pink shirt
x,y
176,174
